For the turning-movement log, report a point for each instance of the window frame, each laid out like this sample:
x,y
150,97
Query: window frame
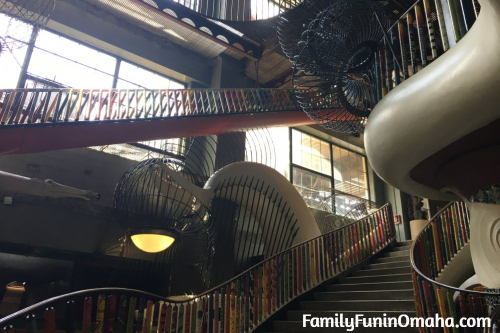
x,y
331,145
95,48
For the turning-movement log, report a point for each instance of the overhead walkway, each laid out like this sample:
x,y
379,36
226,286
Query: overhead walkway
x,y
37,120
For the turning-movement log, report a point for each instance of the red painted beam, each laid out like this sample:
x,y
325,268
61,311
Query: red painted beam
x,y
46,137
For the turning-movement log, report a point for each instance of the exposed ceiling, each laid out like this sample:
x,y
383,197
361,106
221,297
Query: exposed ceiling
x,y
155,22
273,69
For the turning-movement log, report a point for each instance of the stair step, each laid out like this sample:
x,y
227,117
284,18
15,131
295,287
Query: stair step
x,y
405,243
367,305
297,315
392,259
397,264
405,253
296,327
378,278
402,248
365,295
383,271
371,286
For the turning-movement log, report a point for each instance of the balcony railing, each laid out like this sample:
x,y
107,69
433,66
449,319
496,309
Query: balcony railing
x,y
238,305
35,106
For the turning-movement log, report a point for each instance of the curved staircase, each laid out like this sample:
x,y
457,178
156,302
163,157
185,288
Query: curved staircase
x,y
385,286
247,302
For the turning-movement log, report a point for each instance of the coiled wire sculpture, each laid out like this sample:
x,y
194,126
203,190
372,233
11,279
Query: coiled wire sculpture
x,y
332,45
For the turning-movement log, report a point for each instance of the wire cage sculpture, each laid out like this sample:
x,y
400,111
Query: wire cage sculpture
x,y
196,159
25,20
333,45
148,198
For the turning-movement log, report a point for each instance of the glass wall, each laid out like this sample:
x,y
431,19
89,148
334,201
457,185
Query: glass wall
x,y
13,33
320,168
71,64
61,62
133,77
350,172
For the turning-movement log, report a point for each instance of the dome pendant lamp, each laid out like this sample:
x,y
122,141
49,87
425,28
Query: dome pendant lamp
x,y
152,240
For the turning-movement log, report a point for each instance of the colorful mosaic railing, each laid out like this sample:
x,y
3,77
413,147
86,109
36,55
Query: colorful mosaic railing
x,y
35,106
434,248
239,305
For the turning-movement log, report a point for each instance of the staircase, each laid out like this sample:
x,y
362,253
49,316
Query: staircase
x,y
382,287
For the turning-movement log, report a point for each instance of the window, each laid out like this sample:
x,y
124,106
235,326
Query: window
x,y
59,62
311,153
13,52
319,168
314,188
263,9
69,63
350,172
133,77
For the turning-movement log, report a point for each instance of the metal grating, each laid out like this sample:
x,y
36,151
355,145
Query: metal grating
x,y
155,23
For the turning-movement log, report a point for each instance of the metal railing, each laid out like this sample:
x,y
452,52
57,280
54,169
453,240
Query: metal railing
x,y
238,305
234,10
422,34
433,249
45,106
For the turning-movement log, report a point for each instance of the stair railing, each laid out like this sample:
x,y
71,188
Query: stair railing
x,y
48,106
441,240
239,305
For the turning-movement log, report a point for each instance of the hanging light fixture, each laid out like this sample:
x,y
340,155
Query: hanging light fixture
x,y
152,240
158,215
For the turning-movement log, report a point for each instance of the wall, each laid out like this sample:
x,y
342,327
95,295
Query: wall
x,y
64,224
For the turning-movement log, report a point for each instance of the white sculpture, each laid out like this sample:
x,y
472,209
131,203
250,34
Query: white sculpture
x,y
272,178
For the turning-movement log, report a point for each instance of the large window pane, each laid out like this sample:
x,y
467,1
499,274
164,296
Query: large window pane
x,y
87,68
350,172
311,153
12,56
315,189
133,77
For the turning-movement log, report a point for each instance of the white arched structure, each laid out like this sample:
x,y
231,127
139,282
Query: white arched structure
x,y
308,227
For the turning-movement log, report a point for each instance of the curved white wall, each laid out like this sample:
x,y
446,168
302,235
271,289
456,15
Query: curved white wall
x,y
455,95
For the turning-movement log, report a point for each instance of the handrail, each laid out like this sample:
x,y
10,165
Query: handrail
x,y
425,277
63,105
433,248
61,298
253,296
287,250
